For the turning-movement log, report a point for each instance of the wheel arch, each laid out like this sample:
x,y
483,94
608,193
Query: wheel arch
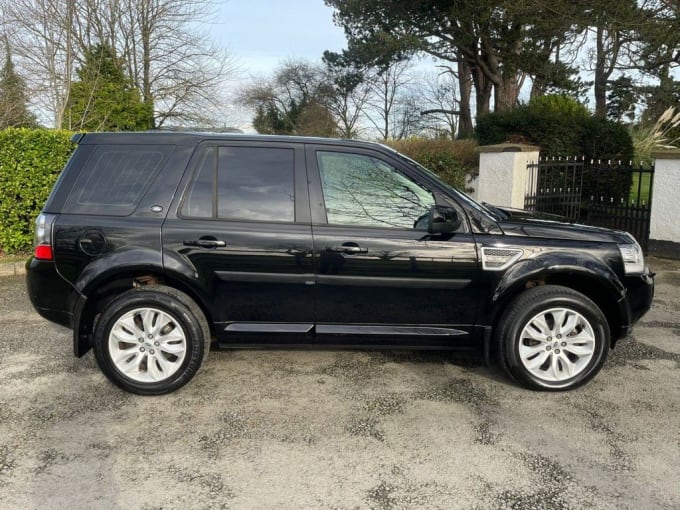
x,y
102,290
589,277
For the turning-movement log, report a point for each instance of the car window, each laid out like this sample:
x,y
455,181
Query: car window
x,y
366,191
243,183
115,178
200,202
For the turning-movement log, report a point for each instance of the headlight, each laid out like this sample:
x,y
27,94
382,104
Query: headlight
x,y
633,259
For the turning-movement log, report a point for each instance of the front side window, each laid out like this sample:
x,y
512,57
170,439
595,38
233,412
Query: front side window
x,y
243,183
366,191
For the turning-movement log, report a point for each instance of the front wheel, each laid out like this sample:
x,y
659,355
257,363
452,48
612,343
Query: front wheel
x,y
552,338
151,340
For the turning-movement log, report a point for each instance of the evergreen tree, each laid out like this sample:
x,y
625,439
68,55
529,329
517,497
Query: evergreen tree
x,y
13,98
103,98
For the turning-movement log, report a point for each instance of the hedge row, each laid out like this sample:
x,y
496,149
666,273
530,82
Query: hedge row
x,y
561,127
30,162
451,160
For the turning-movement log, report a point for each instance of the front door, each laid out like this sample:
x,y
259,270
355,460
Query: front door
x,y
241,232
381,279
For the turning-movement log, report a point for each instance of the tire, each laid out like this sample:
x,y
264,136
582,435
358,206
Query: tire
x,y
151,340
552,338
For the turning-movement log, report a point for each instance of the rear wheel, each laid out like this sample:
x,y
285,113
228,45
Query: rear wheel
x,y
552,338
151,340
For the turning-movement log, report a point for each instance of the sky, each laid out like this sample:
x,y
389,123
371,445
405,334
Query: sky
x,y
262,33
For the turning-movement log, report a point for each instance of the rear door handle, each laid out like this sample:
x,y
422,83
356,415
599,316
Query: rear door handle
x,y
206,243
349,248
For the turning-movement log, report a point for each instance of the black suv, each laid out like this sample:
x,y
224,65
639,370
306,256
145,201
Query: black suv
x,y
154,244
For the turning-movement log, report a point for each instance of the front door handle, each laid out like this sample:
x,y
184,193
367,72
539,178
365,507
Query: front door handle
x,y
206,243
349,249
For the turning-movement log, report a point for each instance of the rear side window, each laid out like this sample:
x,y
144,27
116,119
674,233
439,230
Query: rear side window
x,y
243,183
115,178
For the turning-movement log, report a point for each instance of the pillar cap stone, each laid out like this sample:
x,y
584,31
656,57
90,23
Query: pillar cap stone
x,y
507,147
667,154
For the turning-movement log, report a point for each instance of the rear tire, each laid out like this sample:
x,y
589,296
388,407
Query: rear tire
x,y
552,338
151,340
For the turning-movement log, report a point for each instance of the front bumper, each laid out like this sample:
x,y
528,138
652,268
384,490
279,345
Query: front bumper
x,y
638,300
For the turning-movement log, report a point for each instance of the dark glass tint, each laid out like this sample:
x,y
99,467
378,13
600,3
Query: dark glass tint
x,y
115,178
256,184
199,202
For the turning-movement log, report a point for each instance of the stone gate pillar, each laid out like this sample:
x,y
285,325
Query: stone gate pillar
x,y
503,173
664,228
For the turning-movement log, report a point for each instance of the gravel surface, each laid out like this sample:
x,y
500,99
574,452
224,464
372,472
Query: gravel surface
x,y
339,430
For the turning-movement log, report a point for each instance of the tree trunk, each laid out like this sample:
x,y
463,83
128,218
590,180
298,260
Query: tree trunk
x,y
506,93
465,127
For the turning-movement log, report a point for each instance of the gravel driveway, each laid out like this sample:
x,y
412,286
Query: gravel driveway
x,y
339,430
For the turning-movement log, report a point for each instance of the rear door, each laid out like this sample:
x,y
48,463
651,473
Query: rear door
x,y
381,279
241,234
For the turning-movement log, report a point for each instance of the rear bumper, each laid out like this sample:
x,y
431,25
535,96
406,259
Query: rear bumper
x,y
52,297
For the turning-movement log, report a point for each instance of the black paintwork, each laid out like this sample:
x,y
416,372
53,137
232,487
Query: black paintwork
x,y
311,283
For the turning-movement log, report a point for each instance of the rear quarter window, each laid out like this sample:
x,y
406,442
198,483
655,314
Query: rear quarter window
x,y
115,178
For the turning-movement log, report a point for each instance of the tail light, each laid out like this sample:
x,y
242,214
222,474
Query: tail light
x,y
43,236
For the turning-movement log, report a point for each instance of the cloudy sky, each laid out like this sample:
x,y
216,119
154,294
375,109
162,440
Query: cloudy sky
x,y
261,33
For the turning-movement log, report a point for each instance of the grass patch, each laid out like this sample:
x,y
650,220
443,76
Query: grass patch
x,y
14,257
640,187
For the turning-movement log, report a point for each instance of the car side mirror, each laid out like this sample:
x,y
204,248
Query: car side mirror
x,y
442,220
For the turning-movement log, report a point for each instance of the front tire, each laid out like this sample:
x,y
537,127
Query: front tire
x,y
151,340
552,338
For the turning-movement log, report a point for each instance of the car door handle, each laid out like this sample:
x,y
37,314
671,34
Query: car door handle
x,y
349,248
206,243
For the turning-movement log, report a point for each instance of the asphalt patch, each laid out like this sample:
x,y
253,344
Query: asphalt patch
x,y
629,351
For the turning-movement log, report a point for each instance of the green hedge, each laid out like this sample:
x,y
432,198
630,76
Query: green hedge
x,y
30,162
451,160
561,127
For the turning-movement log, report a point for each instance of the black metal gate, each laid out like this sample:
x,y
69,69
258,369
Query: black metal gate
x,y
606,194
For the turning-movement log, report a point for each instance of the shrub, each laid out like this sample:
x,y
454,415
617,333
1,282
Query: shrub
x,y
648,138
30,162
558,104
451,160
560,126
551,122
604,139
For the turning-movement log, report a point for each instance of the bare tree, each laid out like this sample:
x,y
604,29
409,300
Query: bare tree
x,y
386,86
349,90
177,70
42,36
440,101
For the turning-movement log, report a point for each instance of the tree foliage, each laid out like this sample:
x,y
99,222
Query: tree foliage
x,y
294,101
497,42
561,127
104,98
14,110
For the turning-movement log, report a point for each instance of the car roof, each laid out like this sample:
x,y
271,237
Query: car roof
x,y
192,138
